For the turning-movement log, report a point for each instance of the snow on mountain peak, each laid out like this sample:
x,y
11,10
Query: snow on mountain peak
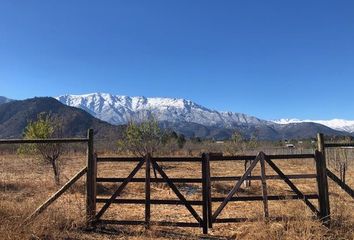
x,y
118,109
337,124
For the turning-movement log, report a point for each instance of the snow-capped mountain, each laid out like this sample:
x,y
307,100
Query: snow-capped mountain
x,y
337,124
117,109
180,115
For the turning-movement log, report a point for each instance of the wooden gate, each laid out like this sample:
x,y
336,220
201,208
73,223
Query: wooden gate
x,y
150,164
263,160
208,217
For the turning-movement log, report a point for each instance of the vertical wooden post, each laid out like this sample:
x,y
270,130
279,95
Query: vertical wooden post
x,y
210,211
147,191
247,183
322,182
264,185
91,180
205,193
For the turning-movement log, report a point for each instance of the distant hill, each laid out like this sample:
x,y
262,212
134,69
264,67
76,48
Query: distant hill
x,y
15,115
4,100
337,124
262,132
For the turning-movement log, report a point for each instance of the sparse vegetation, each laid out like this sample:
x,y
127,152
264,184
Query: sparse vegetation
x,y
23,180
141,138
44,127
22,191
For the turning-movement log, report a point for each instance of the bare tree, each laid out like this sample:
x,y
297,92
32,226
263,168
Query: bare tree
x,y
46,126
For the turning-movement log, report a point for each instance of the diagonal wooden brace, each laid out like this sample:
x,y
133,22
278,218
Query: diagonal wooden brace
x,y
176,191
292,186
119,190
235,188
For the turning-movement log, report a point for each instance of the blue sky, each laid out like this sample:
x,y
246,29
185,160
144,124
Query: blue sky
x,y
271,59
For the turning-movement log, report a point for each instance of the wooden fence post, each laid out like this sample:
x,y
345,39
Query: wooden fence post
x,y
205,195
210,211
321,170
147,191
247,183
91,180
264,186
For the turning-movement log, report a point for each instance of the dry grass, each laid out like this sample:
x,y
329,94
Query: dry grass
x,y
24,186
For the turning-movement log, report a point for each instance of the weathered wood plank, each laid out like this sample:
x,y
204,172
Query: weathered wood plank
x,y
152,201
264,186
90,180
270,198
292,186
52,140
235,189
205,194
213,179
147,191
119,190
334,145
344,186
153,180
322,182
176,191
56,195
157,223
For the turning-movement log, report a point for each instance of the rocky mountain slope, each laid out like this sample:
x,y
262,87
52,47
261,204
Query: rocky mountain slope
x,y
189,118
15,115
121,109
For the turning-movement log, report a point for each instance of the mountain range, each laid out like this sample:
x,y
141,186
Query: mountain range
x,y
337,124
189,118
108,114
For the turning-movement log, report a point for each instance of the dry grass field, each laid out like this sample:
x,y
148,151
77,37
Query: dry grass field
x,y
24,185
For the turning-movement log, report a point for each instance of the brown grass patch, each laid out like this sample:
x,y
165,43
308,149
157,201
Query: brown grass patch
x,y
24,186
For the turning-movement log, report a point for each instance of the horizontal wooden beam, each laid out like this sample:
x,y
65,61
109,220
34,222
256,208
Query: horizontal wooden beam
x,y
157,223
290,156
214,158
331,145
156,180
270,177
199,180
235,220
52,140
152,201
119,159
252,157
260,198
157,159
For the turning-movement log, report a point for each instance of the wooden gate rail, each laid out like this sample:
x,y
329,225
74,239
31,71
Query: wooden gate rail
x,y
215,158
264,197
270,197
329,173
147,201
208,217
344,186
